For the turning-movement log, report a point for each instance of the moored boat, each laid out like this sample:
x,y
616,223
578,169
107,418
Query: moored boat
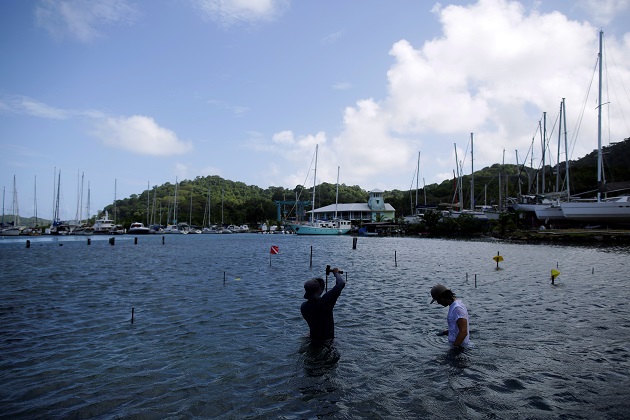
x,y
137,228
104,225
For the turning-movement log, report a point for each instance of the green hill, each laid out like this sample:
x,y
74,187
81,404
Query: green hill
x,y
233,202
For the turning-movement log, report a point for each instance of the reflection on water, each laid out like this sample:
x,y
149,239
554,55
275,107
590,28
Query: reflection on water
x,y
319,358
218,332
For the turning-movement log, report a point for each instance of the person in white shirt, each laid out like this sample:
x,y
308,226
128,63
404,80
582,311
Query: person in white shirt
x,y
457,318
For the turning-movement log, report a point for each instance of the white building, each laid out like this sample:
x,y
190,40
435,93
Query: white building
x,y
375,208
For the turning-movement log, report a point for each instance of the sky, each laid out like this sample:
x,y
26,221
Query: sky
x,y
126,94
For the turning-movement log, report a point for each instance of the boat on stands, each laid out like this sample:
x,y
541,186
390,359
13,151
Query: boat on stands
x,y
601,210
607,210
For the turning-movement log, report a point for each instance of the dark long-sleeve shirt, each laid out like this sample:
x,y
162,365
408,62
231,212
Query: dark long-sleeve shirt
x,y
318,312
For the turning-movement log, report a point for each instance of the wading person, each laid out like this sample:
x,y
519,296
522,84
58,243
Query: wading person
x,y
457,318
318,309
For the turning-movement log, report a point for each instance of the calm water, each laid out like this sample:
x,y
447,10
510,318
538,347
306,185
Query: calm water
x,y
217,330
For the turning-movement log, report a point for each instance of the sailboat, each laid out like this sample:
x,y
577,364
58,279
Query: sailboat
x,y
607,210
177,228
138,228
15,229
472,212
58,227
323,227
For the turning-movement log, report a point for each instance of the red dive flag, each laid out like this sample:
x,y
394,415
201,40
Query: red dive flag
x,y
274,249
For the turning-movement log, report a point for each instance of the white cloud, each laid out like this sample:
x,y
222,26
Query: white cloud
x,y
332,38
81,19
25,105
230,12
493,72
142,135
342,86
603,11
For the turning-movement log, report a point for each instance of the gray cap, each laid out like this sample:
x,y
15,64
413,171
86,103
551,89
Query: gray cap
x,y
314,288
436,291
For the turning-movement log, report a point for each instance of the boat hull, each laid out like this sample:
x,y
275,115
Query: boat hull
x,y
320,229
615,210
550,213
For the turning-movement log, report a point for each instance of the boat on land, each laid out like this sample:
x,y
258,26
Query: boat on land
x,y
335,226
601,210
138,228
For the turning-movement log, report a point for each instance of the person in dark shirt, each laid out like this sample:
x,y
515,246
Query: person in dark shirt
x,y
318,309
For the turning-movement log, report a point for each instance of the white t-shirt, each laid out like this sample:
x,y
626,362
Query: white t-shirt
x,y
457,310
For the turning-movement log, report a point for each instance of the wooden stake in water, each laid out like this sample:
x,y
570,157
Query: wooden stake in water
x,y
132,311
135,240
224,278
475,281
311,263
162,240
395,260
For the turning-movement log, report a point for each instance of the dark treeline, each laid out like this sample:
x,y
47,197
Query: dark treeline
x,y
233,202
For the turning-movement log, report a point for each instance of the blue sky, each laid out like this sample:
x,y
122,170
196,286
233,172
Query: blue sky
x,y
130,92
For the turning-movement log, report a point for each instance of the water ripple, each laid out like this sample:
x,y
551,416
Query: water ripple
x,y
217,330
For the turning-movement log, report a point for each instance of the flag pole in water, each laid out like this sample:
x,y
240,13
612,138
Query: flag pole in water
x,y
554,273
272,251
498,258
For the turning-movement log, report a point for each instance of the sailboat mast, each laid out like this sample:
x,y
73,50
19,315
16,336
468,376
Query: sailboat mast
x,y
87,206
337,193
56,210
472,176
559,142
175,204
458,183
81,198
417,180
16,210
35,201
566,149
599,119
543,134
314,183
148,203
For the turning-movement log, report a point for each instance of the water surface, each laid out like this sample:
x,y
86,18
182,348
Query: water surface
x,y
217,330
